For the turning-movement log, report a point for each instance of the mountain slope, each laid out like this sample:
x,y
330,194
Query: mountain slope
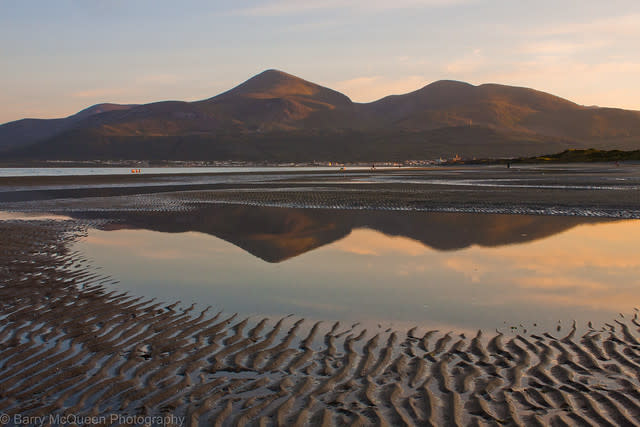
x,y
275,116
28,131
514,109
451,103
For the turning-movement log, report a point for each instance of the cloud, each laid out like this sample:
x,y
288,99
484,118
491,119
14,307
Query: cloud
x,y
134,88
293,7
468,63
469,267
561,284
303,27
559,47
371,88
624,25
154,245
159,78
370,242
589,62
99,92
598,39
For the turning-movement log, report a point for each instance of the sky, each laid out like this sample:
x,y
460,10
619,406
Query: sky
x,y
58,57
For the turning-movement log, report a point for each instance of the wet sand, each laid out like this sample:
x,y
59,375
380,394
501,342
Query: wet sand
x,y
588,190
72,346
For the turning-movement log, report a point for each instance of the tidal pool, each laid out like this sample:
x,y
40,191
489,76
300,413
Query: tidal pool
x,y
396,269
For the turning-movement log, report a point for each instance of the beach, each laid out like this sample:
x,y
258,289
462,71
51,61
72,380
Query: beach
x,y
73,346
572,190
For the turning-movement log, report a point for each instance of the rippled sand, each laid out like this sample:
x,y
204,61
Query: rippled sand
x,y
70,346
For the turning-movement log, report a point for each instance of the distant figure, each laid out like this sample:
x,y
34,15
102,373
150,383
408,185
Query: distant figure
x,y
508,165
617,164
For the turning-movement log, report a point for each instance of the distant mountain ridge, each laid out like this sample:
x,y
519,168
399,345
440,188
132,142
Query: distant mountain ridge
x,y
275,116
27,131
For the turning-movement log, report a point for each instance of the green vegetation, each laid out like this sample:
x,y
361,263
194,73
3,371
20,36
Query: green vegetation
x,y
588,155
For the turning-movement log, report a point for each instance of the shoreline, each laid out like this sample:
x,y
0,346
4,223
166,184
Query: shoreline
x,y
582,191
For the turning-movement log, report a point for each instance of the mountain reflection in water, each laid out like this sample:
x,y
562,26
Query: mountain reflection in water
x,y
440,270
278,234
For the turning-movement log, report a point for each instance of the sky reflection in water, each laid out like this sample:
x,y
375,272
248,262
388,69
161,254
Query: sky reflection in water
x,y
583,270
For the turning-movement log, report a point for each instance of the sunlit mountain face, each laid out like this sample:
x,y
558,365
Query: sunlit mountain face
x,y
275,116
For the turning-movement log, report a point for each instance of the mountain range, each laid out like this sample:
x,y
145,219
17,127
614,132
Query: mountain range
x,y
275,116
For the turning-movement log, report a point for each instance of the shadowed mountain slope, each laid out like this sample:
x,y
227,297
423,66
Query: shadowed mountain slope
x,y
29,131
275,116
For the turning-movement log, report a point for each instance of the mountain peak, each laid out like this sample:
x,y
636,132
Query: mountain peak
x,y
272,72
447,87
101,108
274,83
450,84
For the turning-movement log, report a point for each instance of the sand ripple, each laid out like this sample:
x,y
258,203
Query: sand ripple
x,y
68,345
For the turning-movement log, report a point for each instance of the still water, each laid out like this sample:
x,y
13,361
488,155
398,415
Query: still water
x,y
434,270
